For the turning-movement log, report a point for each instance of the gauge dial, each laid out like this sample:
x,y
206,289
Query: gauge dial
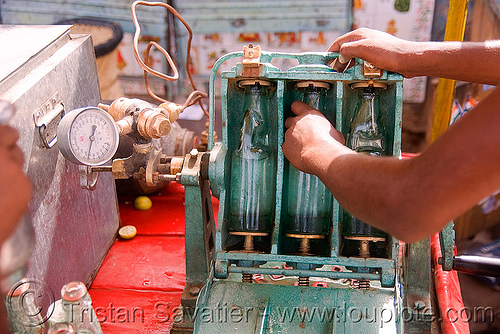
x,y
88,136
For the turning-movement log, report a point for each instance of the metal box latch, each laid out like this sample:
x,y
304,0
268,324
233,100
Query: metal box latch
x,y
47,118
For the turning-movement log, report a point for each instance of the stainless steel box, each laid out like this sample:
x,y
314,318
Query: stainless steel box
x,y
46,72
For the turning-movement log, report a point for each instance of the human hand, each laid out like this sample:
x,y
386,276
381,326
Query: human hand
x,y
379,48
15,188
306,136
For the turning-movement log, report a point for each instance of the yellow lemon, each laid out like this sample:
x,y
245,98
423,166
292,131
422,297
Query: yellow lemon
x,y
143,203
127,232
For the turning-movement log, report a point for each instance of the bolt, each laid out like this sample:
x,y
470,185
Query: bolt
x,y
194,291
193,153
160,127
419,305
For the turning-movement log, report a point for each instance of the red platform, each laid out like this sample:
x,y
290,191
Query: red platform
x,y
139,284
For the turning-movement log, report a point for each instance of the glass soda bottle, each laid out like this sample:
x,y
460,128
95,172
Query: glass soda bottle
x,y
77,306
366,136
309,201
253,167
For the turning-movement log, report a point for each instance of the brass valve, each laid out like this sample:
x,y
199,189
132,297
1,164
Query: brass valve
x,y
151,122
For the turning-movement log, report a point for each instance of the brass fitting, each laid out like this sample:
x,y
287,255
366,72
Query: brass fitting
x,y
125,125
171,110
371,71
123,106
152,124
176,165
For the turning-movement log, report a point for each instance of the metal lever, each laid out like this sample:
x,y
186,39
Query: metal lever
x,y
477,265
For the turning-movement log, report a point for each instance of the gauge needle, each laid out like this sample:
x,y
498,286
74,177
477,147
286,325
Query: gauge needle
x,y
92,138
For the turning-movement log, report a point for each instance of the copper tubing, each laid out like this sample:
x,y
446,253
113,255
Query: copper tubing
x,y
149,70
137,34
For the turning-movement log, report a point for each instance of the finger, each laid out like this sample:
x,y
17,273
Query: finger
x,y
285,146
8,136
355,49
289,122
346,38
299,107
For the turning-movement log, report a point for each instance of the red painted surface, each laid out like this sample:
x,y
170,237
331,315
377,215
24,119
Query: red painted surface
x,y
139,284
166,216
134,311
449,295
144,263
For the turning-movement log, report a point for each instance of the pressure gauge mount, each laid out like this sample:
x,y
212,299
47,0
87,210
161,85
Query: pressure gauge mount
x,y
88,136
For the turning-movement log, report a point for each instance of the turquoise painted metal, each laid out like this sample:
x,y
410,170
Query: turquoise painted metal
x,y
274,280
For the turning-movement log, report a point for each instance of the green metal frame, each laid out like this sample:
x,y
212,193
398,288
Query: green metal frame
x,y
311,67
224,303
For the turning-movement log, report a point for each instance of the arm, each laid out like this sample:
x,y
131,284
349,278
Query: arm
x,y
15,188
410,199
15,192
466,61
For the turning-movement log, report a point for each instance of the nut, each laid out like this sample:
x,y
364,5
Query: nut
x,y
194,291
160,127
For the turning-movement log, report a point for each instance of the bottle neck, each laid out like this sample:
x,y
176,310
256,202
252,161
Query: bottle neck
x,y
314,97
255,128
371,114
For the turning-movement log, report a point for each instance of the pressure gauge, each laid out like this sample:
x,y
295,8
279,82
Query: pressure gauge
x,y
88,136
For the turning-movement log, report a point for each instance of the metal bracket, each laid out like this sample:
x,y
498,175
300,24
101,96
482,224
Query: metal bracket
x,y
371,71
152,167
88,178
251,61
447,243
47,118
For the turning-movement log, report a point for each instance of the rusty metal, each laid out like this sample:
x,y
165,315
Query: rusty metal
x,y
247,278
303,281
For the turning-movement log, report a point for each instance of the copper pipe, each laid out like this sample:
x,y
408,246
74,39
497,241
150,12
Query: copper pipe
x,y
149,70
